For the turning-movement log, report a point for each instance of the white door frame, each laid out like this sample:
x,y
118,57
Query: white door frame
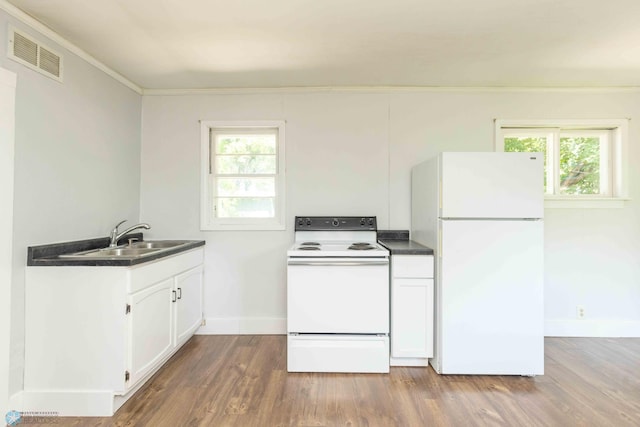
x,y
7,137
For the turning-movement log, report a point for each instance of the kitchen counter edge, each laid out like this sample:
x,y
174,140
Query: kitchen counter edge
x,y
398,243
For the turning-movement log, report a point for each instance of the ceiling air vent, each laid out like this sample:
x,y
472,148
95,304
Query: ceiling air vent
x,y
29,52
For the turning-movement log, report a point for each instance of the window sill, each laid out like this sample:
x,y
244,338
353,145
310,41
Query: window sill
x,y
584,203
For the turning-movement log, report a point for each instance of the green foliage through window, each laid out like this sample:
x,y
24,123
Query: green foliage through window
x,y
245,169
579,165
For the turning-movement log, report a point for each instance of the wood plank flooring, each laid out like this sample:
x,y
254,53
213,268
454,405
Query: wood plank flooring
x,y
242,381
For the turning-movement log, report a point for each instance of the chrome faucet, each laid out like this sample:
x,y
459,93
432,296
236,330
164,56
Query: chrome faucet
x,y
114,236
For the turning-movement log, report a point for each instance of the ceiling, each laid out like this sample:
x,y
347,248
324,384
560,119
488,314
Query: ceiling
x,y
197,44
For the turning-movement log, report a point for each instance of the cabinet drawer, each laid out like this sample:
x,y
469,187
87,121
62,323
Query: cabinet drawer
x,y
148,274
412,266
338,353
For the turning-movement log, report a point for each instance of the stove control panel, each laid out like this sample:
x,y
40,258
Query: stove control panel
x,y
327,223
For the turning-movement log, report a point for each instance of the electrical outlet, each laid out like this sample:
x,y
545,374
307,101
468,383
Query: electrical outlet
x,y
580,312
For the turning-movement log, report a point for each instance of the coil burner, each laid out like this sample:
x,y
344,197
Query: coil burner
x,y
309,246
361,246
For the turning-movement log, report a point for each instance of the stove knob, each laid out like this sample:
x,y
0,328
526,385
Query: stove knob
x,y
335,222
362,221
308,221
300,221
370,221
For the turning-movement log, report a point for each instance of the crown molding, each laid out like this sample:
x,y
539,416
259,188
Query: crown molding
x,y
385,89
66,44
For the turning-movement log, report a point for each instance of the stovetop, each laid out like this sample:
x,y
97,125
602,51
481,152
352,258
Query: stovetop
x,y
334,248
324,236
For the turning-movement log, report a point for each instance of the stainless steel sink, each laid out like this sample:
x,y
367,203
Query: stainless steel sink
x,y
112,252
134,250
121,252
157,244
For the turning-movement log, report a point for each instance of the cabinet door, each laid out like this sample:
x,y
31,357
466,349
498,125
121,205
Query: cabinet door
x,y
150,328
189,305
412,318
414,266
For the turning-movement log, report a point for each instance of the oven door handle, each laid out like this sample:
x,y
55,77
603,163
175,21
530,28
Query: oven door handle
x,y
339,263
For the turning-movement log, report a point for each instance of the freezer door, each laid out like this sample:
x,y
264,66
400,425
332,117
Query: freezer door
x,y
491,185
490,311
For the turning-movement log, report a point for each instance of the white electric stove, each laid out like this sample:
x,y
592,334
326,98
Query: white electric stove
x,y
337,297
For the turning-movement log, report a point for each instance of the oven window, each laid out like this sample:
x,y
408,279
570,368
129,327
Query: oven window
x,y
243,176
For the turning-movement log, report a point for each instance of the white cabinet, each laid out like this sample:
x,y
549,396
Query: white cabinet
x,y
161,317
94,335
189,304
412,310
150,329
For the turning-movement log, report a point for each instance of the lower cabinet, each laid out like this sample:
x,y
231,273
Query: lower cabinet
x,y
150,329
162,317
412,310
188,304
94,335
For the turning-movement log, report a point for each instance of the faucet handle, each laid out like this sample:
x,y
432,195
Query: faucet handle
x,y
114,231
118,225
113,236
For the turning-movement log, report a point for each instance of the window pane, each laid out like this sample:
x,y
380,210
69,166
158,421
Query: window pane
x,y
233,207
579,165
529,144
533,144
245,144
246,187
245,165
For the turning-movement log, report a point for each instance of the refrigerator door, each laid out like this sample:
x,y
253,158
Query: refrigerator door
x,y
491,185
490,313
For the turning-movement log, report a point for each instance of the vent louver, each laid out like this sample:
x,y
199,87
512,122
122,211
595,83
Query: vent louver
x,y
49,62
28,52
25,49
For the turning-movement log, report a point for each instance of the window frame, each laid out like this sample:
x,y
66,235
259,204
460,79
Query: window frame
x,y
208,220
614,183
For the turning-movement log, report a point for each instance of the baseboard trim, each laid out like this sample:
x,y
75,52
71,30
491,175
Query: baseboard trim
x,y
67,403
244,326
409,361
553,328
15,401
592,328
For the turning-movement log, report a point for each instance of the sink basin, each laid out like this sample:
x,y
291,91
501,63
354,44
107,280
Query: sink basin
x,y
112,252
157,244
127,252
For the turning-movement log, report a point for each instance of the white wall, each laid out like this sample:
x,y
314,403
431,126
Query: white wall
x,y
350,153
77,163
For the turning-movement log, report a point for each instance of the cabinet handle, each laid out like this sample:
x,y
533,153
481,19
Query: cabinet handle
x,y
179,293
174,296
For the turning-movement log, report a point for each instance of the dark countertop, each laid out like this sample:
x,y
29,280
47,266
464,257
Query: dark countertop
x,y
398,243
47,255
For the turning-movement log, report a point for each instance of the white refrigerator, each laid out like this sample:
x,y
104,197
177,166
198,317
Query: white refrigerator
x,y
482,213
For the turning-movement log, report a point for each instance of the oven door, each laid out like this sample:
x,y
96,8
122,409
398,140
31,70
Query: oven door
x,y
338,295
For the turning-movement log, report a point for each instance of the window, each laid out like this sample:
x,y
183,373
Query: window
x,y
242,176
585,161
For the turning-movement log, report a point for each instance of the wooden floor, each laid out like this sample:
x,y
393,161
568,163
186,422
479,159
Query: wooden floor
x,y
242,381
